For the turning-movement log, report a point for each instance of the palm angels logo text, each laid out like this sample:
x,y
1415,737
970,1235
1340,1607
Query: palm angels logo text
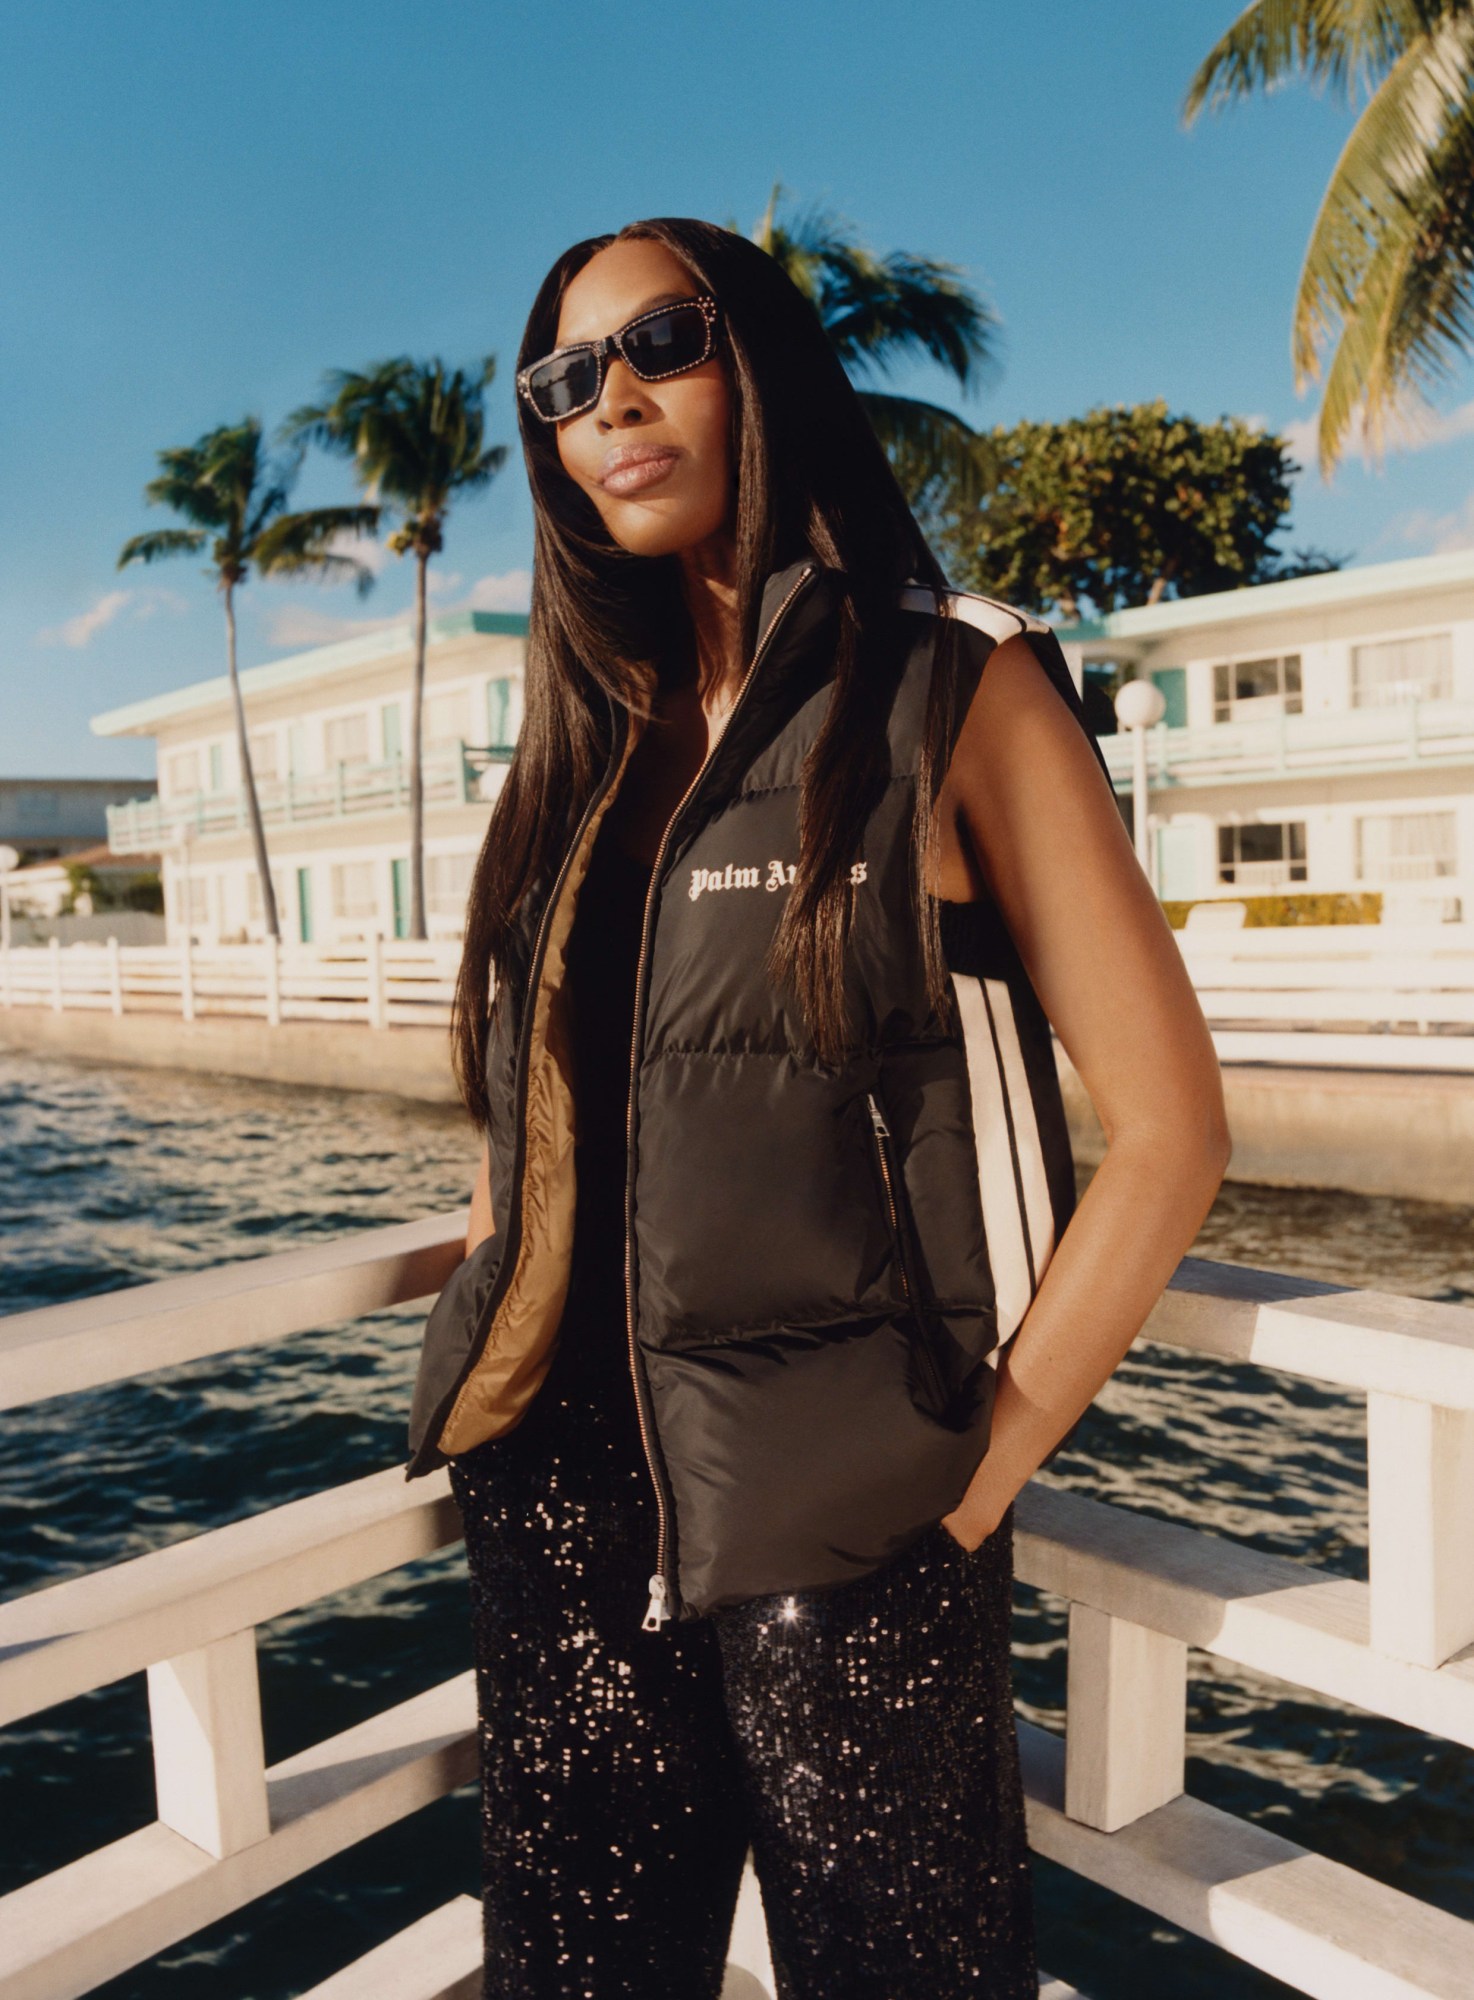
x,y
733,876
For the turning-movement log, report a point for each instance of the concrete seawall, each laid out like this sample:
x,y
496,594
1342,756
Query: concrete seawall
x,y
1368,1131
400,1062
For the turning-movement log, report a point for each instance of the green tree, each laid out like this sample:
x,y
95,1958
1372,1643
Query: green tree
x,y
234,496
1123,506
1388,279
883,310
415,431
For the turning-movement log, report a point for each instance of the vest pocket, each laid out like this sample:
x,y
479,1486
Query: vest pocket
x,y
933,1393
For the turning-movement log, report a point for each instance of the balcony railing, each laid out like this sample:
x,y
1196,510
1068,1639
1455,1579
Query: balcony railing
x,y
348,791
1416,733
1106,1799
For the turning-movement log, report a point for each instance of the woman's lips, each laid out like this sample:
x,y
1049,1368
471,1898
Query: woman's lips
x,y
633,471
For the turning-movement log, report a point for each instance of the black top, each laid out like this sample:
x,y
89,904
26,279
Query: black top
x,y
603,951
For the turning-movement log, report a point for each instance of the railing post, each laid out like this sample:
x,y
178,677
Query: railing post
x,y
378,1011
186,974
1420,1510
56,998
115,975
272,947
209,1758
1125,1719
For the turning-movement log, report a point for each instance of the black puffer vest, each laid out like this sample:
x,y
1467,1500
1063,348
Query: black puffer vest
x,y
821,1266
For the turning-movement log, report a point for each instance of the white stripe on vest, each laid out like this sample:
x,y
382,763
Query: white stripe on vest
x,y
1018,1215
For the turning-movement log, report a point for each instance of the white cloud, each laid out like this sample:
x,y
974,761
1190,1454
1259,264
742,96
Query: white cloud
x,y
362,549
1435,534
511,591
1415,429
304,625
301,625
106,610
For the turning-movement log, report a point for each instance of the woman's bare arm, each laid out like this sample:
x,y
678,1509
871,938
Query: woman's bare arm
x,y
480,1224
1026,796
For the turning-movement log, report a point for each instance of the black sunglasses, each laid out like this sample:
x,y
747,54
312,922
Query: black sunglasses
x,y
666,341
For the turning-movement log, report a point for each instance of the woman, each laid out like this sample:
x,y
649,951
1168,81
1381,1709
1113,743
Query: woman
x,y
768,1309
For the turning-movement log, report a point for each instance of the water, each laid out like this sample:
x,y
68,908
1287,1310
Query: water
x,y
111,1178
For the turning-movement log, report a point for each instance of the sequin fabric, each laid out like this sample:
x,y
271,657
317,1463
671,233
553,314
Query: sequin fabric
x,y
860,1739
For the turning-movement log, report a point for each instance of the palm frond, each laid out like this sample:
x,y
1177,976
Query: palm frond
x,y
937,458
1381,180
1411,322
1349,44
162,543
302,545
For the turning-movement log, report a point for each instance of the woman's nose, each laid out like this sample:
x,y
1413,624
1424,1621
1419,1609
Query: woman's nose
x,y
622,401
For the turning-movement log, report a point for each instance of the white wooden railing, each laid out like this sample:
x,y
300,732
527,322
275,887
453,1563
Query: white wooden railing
x,y
1374,996
1105,1800
1360,995
378,982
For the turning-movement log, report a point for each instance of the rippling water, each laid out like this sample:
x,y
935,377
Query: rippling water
x,y
111,1178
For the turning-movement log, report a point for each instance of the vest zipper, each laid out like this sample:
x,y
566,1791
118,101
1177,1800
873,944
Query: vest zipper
x,y
659,1609
925,1354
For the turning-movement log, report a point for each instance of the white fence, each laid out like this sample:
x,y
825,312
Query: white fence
x,y
1105,1800
383,983
1369,996
1373,996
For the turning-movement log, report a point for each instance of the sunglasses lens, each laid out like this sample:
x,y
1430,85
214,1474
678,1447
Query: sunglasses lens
x,y
562,385
667,343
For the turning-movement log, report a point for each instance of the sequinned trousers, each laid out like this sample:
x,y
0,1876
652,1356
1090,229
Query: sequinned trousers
x,y
859,1739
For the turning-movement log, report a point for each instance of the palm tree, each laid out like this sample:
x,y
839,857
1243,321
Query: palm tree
x,y
881,310
234,495
1388,277
416,434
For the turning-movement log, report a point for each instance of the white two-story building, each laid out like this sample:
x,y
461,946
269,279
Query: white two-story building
x,y
329,732
1318,734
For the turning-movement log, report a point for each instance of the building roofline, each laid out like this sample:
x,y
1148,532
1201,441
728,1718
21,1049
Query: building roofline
x,y
142,718
1301,593
76,781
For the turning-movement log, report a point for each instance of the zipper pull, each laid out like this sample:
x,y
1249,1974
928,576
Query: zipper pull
x,y
657,1611
877,1116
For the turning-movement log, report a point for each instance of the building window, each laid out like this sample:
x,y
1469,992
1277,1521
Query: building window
x,y
1406,847
254,911
264,756
1262,855
1243,689
447,719
354,897
182,773
345,738
217,767
1397,670
499,712
448,884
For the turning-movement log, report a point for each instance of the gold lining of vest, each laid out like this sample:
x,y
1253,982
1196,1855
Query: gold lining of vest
x,y
518,1352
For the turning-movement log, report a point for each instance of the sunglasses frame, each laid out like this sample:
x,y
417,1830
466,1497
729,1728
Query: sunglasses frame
x,y
612,343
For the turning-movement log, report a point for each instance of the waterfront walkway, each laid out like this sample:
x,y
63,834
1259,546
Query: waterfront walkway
x,y
1106,1799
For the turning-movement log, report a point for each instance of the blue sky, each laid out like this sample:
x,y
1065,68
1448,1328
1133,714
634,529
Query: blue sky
x,y
207,205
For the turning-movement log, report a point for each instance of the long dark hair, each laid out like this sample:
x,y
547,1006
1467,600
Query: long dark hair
x,y
812,480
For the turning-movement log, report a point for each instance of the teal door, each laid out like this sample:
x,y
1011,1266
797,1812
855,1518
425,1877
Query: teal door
x,y
1173,683
399,880
1177,863
390,719
304,905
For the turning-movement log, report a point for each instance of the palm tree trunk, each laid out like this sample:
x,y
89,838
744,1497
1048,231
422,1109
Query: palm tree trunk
x,y
248,776
416,770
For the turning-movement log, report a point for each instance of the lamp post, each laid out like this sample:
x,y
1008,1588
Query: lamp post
x,y
1140,704
9,858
